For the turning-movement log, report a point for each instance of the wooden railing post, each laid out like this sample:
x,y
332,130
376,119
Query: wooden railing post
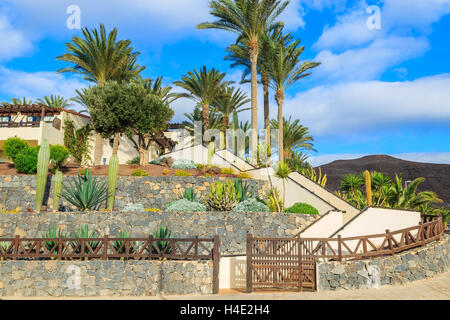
x,y
390,244
196,248
339,247
105,247
16,247
150,246
249,263
216,264
300,264
60,246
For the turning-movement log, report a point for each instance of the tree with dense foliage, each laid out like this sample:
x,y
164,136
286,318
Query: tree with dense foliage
x,y
285,69
295,136
100,58
54,101
250,20
130,109
203,86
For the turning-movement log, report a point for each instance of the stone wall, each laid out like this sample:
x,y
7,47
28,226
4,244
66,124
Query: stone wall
x,y
232,227
150,192
104,278
399,269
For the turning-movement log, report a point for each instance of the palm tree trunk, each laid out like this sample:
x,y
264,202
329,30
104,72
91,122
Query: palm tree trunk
x,y
115,144
253,54
98,153
226,125
279,97
205,118
265,81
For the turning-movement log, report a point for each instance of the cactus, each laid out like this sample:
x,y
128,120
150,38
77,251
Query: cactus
x,y
368,188
211,150
235,126
222,140
57,189
42,172
113,172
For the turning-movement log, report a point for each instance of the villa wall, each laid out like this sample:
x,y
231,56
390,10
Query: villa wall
x,y
150,192
398,269
104,278
231,227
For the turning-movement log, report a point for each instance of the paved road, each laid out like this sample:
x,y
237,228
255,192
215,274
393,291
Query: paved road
x,y
437,288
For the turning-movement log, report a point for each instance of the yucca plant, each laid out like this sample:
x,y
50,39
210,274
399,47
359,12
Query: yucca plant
x,y
117,245
5,245
85,192
162,233
52,233
223,196
83,233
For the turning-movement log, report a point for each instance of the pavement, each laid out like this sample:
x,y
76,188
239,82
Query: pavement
x,y
436,288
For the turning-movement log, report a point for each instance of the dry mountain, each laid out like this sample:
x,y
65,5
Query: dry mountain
x,y
437,175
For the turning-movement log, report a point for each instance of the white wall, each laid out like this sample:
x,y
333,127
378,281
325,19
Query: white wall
x,y
233,273
325,227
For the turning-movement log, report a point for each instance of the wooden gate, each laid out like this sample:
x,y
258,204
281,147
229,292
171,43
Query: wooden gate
x,y
280,263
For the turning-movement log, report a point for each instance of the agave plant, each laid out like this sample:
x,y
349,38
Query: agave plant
x,y
85,192
120,245
162,233
5,245
191,195
52,233
83,233
223,196
244,190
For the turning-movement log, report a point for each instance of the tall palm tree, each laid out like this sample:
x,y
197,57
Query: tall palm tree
x,y
238,54
285,69
203,86
295,136
164,92
101,58
54,101
249,19
215,120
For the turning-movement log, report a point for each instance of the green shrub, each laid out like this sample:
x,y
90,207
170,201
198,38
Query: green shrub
x,y
26,161
52,233
184,205
157,161
244,190
302,208
160,246
136,160
83,233
139,173
271,200
184,164
227,171
85,192
120,246
200,166
58,155
223,196
182,173
251,205
15,146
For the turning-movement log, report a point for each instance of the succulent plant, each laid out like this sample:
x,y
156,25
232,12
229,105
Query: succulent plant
x,y
184,205
57,189
184,164
223,196
162,233
251,205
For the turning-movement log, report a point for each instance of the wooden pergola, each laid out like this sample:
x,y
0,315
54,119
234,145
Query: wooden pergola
x,y
34,110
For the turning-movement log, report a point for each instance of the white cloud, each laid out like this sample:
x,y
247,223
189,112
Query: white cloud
x,y
425,157
369,62
33,85
354,107
13,43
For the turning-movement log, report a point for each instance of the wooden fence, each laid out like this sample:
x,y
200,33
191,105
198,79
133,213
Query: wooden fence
x,y
388,243
108,248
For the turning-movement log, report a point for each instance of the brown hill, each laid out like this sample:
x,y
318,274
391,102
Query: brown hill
x,y
437,175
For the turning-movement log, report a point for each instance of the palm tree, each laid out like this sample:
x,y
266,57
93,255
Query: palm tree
x,y
215,120
54,101
204,87
406,197
238,54
18,102
229,101
282,171
101,58
249,19
295,137
285,69
164,92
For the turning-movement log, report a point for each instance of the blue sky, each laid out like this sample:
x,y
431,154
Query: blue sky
x,y
383,91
